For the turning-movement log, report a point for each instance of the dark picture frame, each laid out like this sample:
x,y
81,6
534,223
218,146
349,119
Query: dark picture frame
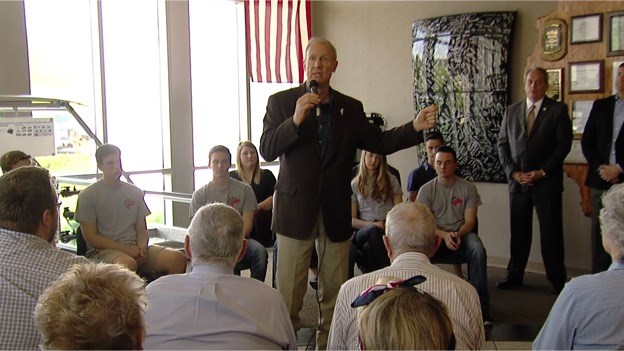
x,y
586,77
615,30
555,86
586,29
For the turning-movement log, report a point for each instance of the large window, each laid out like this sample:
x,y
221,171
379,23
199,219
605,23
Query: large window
x,y
132,77
112,58
76,48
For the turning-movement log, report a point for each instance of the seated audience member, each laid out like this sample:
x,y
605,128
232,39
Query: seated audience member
x,y
262,182
14,159
394,315
426,172
410,239
240,196
589,312
93,307
112,215
29,262
454,202
211,308
375,192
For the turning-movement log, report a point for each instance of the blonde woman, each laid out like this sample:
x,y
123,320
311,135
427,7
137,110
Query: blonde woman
x,y
262,181
375,192
397,316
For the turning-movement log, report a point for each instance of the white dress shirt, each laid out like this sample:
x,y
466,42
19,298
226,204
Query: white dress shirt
x,y
211,308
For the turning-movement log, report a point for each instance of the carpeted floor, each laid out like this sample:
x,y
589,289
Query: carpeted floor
x,y
528,305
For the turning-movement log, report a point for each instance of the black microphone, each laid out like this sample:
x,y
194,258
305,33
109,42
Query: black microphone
x,y
314,90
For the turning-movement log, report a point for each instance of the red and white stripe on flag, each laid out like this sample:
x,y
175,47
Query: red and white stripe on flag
x,y
277,32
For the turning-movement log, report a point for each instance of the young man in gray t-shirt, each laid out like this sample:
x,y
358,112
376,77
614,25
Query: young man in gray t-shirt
x,y
238,195
112,215
454,202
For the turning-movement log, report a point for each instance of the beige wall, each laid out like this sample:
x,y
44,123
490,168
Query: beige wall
x,y
14,75
373,39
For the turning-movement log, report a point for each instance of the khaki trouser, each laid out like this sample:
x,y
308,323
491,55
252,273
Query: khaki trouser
x,y
293,260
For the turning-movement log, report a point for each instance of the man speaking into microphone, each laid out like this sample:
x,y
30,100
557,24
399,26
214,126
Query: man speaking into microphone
x,y
312,201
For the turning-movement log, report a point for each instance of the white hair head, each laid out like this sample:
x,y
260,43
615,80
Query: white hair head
x,y
612,218
216,235
410,227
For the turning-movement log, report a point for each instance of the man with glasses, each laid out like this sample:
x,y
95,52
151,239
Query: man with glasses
x,y
29,262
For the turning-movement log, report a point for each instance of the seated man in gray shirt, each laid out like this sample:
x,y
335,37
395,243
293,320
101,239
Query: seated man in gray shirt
x,y
454,202
112,218
241,197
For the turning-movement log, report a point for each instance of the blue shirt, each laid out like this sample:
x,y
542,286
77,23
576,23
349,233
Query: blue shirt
x,y
618,119
589,314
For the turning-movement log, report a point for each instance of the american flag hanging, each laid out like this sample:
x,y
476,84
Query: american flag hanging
x,y
277,32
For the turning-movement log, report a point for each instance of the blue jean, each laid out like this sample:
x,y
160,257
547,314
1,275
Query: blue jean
x,y
256,259
473,251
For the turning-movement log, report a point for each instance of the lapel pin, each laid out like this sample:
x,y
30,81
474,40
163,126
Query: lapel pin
x,y
341,112
543,108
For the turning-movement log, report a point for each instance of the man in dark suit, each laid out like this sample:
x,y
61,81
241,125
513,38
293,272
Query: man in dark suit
x,y
603,147
315,136
534,139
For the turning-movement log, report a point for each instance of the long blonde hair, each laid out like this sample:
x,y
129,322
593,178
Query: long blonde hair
x,y
381,188
255,176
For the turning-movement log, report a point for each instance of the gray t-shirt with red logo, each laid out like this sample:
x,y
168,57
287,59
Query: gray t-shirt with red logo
x,y
115,210
448,203
236,194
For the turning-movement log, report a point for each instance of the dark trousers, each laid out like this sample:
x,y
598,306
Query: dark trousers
x,y
601,260
549,215
368,250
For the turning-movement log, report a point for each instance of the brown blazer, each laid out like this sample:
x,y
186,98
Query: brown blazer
x,y
306,183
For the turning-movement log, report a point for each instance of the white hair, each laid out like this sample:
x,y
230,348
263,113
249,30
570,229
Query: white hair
x,y
410,227
216,235
612,218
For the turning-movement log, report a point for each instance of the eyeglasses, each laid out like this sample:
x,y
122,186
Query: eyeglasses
x,y
369,295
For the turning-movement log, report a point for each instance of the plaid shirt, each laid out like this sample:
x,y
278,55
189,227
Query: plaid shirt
x,y
28,265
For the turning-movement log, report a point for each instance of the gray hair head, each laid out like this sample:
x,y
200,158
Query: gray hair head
x,y
410,227
216,235
321,40
612,218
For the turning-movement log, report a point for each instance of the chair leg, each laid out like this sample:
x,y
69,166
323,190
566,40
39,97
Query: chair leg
x,y
458,270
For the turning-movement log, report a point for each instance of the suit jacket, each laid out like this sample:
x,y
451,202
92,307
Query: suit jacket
x,y
597,140
308,183
546,148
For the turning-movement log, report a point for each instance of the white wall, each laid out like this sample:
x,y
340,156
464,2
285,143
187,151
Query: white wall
x,y
373,39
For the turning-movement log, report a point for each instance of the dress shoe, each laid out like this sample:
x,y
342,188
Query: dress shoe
x,y
508,284
314,283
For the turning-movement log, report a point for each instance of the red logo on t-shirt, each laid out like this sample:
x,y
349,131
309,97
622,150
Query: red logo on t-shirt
x,y
233,201
129,203
456,201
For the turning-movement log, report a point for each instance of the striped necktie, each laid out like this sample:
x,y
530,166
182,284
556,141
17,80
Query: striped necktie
x,y
530,120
